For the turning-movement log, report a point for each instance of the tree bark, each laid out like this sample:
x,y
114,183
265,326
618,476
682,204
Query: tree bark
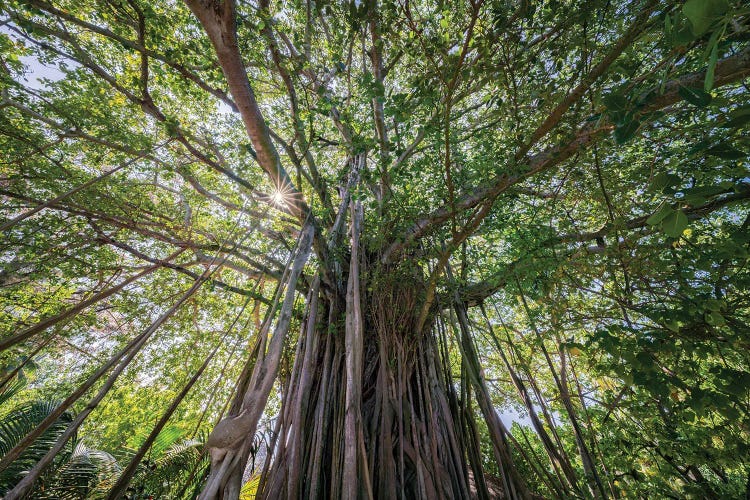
x,y
228,442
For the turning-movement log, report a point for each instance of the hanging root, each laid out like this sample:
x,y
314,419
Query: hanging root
x,y
229,433
369,408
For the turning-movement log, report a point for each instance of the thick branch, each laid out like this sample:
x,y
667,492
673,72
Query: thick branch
x,y
478,292
728,70
218,19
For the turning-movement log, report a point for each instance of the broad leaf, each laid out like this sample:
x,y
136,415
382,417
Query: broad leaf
x,y
674,223
702,13
699,97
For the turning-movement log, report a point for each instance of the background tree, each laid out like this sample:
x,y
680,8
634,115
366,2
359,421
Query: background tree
x,y
362,230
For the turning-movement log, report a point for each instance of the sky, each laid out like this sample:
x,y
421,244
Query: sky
x,y
36,71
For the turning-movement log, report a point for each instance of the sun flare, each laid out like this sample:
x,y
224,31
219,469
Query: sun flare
x,y
278,198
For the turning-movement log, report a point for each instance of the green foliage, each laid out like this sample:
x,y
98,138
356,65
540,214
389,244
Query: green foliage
x,y
703,13
624,227
174,464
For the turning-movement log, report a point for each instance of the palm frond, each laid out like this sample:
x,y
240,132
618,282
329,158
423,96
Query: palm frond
x,y
16,425
13,387
250,489
183,462
87,474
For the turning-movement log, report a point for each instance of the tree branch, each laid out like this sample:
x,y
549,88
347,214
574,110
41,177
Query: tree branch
x,y
728,70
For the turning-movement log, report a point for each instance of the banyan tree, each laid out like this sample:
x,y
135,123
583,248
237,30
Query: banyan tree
x,y
341,237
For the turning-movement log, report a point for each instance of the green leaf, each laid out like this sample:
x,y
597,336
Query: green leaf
x,y
683,35
738,122
714,318
699,194
730,413
702,13
709,81
626,132
664,180
698,97
713,305
740,111
644,360
615,102
675,223
659,215
673,326
726,151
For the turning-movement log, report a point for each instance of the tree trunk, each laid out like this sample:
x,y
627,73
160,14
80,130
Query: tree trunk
x,y
230,441
366,410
